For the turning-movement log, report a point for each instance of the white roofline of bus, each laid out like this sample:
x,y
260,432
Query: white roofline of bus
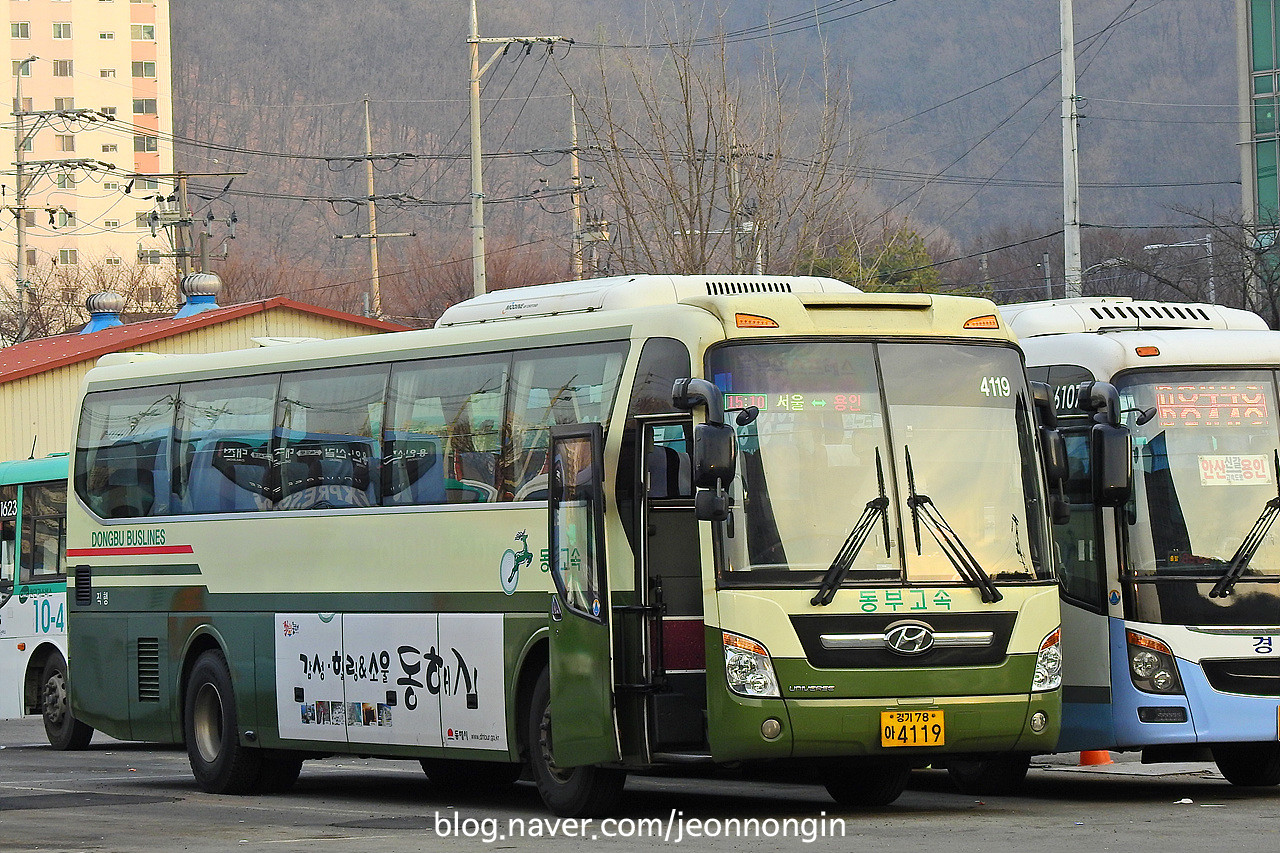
x,y
626,292
1121,313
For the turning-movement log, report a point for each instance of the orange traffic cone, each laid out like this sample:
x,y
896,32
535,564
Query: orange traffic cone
x,y
1092,757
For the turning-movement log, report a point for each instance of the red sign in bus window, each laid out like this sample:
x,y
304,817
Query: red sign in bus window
x,y
1212,404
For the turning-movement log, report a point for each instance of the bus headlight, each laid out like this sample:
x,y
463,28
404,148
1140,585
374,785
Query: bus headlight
x,y
747,667
1048,664
1152,667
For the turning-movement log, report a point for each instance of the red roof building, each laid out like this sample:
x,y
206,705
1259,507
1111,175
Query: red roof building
x,y
39,379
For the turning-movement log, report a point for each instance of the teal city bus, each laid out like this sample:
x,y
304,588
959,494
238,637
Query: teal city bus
x,y
33,598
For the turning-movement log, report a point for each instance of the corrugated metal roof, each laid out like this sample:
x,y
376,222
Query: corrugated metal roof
x,y
31,357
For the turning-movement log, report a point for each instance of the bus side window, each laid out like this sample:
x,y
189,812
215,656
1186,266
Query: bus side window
x,y
122,452
222,446
566,385
328,429
44,532
443,431
8,538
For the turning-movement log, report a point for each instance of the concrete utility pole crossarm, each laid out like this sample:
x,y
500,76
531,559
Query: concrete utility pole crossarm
x,y
477,179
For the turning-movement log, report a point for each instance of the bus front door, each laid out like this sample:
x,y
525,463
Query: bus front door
x,y
671,591
580,647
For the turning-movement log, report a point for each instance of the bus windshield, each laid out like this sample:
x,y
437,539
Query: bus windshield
x,y
1201,542
909,462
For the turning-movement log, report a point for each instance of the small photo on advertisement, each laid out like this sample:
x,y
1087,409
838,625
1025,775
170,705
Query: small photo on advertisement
x,y
338,714
323,713
354,716
370,714
308,714
384,714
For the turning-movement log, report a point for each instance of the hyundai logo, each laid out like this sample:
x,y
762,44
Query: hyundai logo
x,y
908,638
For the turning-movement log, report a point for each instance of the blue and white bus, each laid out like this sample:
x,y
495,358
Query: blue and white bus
x,y
1171,599
33,598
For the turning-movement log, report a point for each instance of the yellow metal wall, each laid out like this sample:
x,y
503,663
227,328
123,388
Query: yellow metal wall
x,y
40,408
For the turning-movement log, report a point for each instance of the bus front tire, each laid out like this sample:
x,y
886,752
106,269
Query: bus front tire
x,y
866,785
470,777
1249,765
988,776
568,792
218,761
64,731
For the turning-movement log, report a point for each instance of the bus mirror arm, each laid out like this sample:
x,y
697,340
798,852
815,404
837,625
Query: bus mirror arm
x,y
1102,400
689,393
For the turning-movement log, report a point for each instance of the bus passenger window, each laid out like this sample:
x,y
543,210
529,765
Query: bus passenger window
x,y
122,452
443,431
222,446
44,532
328,424
8,538
554,386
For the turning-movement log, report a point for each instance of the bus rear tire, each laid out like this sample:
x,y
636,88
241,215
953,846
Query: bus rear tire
x,y
218,761
568,792
279,771
988,776
470,777
866,785
1249,765
64,731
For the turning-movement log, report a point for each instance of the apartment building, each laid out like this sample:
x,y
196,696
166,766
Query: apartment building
x,y
95,109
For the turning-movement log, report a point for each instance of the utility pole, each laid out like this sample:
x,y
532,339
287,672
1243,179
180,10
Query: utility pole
x,y
1070,156
478,279
1048,282
180,247
373,301
575,179
20,197
178,221
375,285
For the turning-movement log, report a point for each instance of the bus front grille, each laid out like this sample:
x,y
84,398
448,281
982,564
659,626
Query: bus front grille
x,y
1246,677
148,669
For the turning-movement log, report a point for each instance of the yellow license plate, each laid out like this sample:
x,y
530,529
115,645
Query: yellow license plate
x,y
912,728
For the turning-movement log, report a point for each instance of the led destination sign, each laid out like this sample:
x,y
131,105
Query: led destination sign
x,y
1212,404
795,402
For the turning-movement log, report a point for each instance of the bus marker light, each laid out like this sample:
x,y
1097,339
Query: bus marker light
x,y
754,321
1039,721
1146,352
770,729
22,647
986,321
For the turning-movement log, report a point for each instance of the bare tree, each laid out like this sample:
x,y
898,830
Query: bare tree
x,y
702,171
54,299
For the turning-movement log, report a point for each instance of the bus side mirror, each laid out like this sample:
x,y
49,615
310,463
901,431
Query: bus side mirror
x,y
1111,460
1056,466
1059,509
715,447
714,455
1046,411
711,505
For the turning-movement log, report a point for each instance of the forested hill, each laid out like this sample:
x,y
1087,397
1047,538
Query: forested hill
x,y
1157,79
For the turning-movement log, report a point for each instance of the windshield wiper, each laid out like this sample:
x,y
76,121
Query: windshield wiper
x,y
840,566
966,565
1252,542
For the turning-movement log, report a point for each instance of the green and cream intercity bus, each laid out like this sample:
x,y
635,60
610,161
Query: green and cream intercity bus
x,y
581,528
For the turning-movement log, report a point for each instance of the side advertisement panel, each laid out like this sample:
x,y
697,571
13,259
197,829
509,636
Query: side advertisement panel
x,y
408,679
